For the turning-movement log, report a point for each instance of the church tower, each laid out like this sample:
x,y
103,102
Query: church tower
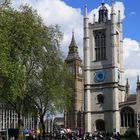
x,y
103,71
74,114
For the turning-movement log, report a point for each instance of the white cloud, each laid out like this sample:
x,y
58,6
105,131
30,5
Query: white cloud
x,y
131,61
57,12
131,49
69,18
131,73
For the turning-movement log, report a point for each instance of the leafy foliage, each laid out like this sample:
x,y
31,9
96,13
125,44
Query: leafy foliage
x,y
32,70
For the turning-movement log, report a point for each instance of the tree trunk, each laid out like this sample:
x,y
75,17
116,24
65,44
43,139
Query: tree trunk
x,y
20,127
42,126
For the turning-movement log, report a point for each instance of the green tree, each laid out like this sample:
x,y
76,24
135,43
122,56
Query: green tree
x,y
32,71
47,85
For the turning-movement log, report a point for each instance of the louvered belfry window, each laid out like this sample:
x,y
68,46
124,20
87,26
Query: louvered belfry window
x,y
100,45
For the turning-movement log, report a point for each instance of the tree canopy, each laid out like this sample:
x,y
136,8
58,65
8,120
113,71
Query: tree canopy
x,y
32,70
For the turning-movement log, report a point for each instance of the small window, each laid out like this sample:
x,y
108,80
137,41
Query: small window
x,y
100,98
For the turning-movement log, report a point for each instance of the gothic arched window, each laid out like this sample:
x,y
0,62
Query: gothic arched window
x,y
100,125
100,45
127,117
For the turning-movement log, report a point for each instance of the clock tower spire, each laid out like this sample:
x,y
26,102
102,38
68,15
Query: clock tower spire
x,y
73,50
74,114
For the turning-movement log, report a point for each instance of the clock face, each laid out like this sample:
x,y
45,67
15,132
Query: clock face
x,y
80,70
99,76
71,69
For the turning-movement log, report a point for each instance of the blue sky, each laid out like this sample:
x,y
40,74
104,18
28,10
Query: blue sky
x,y
68,14
132,12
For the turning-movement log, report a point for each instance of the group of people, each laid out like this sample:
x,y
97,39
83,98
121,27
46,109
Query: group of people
x,y
67,134
84,136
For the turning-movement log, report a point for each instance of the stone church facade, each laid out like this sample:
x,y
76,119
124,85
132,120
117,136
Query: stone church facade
x,y
101,96
109,106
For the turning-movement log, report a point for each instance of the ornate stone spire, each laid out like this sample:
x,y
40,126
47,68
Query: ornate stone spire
x,y
73,49
73,44
85,11
127,87
119,16
112,7
94,18
119,20
138,84
137,79
113,12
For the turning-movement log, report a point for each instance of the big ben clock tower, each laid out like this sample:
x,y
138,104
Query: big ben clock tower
x,y
103,71
74,114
